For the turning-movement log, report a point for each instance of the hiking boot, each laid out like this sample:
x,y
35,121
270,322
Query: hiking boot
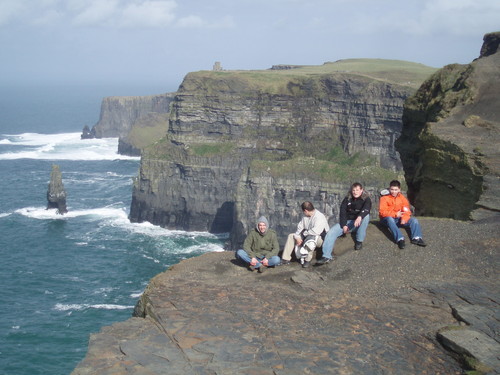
x,y
358,245
284,262
261,269
419,242
401,244
306,264
323,261
252,268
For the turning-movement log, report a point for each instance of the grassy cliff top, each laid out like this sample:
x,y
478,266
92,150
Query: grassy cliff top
x,y
397,72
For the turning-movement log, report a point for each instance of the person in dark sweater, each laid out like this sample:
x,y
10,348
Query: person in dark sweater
x,y
354,218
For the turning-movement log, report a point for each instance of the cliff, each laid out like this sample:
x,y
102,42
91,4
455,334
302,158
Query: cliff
x,y
245,143
375,311
137,121
450,137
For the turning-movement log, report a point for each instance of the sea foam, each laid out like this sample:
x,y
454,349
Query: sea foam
x,y
64,146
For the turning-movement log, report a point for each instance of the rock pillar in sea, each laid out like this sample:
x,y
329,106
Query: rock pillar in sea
x,y
56,195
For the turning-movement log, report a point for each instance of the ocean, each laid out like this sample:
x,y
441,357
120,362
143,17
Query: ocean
x,y
64,277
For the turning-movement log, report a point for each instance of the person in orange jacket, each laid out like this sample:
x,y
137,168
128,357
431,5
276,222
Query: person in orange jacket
x,y
395,212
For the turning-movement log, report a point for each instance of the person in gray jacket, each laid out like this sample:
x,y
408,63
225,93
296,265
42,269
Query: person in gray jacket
x,y
308,236
261,247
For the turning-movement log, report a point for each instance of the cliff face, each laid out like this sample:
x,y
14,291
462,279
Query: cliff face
x,y
243,144
119,113
449,143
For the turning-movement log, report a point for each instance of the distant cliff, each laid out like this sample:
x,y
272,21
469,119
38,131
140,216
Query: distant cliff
x,y
136,120
245,143
450,139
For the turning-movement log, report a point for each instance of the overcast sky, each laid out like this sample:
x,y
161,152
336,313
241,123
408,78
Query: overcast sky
x,y
162,40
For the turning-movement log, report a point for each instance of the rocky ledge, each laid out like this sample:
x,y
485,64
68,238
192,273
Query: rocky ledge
x,y
381,310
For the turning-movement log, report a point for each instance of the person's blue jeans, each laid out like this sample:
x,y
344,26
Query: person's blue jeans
x,y
336,231
243,256
394,223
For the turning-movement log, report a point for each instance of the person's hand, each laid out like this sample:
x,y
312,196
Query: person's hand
x,y
357,222
403,222
345,229
265,262
253,262
298,241
399,214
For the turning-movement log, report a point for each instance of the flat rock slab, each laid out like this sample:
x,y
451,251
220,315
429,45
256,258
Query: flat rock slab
x,y
374,311
474,344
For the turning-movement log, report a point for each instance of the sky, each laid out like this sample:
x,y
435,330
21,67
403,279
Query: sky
x,y
160,41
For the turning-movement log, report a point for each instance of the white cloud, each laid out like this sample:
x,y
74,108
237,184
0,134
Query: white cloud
x,y
10,9
148,14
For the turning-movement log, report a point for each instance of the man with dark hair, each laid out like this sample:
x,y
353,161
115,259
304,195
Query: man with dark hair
x,y
308,236
354,217
261,247
395,212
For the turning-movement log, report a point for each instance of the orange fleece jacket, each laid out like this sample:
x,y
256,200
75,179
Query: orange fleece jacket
x,y
389,206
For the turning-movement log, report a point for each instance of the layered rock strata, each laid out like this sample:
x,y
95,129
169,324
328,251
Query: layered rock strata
x,y
243,144
449,143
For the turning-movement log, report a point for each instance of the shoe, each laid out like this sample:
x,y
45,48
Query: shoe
x,y
323,261
401,244
358,245
284,262
252,268
261,269
306,264
419,242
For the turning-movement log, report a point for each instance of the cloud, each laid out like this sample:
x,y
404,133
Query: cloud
x,y
9,9
429,17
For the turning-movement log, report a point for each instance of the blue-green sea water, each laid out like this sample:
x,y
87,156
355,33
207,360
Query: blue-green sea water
x,y
64,277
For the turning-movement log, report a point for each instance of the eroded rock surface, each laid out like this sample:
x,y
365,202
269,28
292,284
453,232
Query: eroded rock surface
x,y
374,311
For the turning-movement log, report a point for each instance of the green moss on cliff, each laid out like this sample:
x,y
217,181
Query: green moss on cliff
x,y
324,170
211,149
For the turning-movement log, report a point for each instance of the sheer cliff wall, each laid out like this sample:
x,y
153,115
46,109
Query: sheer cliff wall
x,y
244,144
449,143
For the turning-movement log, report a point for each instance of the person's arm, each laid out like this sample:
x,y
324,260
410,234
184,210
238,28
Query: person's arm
x,y
367,206
248,245
385,209
343,213
300,228
276,246
405,210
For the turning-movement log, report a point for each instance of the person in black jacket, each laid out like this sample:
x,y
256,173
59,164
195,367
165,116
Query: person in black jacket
x,y
354,218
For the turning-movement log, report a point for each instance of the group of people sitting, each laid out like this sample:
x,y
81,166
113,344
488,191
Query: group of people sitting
x,y
261,248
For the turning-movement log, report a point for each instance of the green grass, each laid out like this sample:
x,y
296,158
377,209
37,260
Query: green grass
x,y
210,149
324,170
277,81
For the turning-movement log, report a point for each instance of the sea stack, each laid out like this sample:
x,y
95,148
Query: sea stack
x,y
56,195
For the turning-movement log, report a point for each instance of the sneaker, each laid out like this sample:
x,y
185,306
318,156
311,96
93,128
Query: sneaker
x,y
323,261
401,244
284,262
252,268
358,245
419,242
306,264
261,269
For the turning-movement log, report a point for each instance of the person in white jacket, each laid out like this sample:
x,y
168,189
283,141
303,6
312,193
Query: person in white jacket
x,y
308,236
